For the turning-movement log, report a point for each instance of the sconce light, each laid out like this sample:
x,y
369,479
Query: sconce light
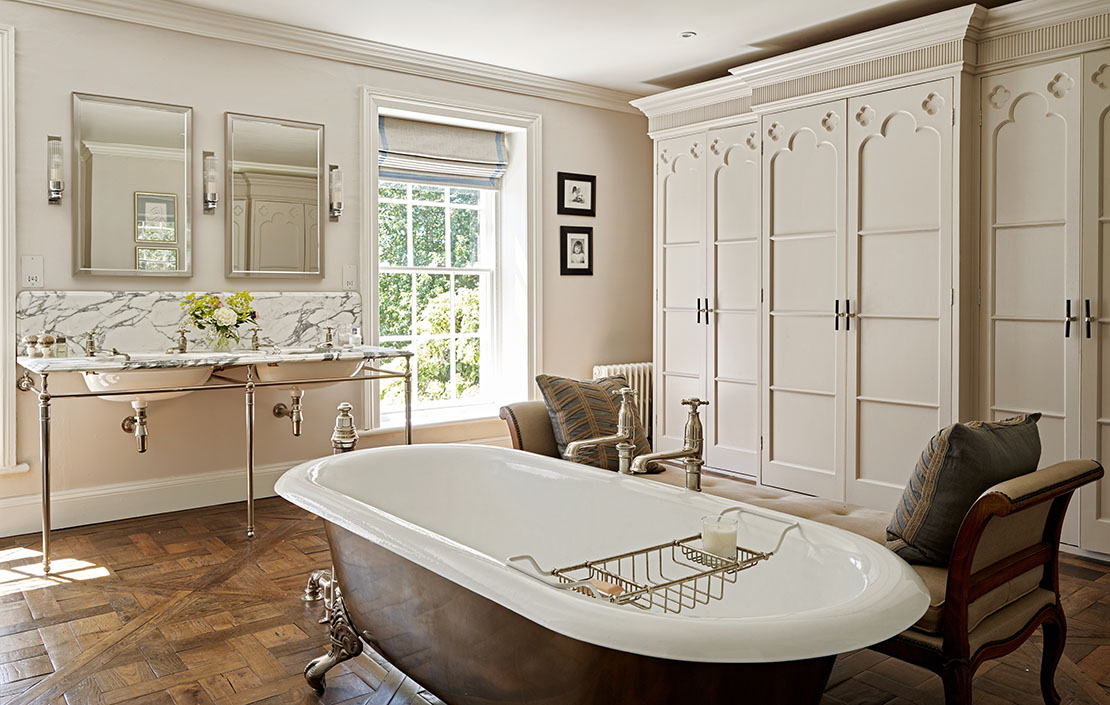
x,y
54,182
335,191
211,198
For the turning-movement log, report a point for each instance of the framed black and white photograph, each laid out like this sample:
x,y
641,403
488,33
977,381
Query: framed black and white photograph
x,y
576,243
155,217
577,194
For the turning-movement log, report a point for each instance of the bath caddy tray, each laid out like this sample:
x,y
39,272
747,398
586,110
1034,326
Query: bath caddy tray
x,y
668,577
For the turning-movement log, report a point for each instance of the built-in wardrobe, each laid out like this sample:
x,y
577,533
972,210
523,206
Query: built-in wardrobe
x,y
860,243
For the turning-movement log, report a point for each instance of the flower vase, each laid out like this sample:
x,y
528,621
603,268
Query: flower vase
x,y
219,342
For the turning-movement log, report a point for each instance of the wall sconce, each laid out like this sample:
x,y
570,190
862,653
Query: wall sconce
x,y
54,181
335,191
209,169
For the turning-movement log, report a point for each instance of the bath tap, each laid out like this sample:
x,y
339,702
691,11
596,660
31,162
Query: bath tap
x,y
182,343
689,453
626,425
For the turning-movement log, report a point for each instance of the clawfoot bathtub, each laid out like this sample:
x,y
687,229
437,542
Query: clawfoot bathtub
x,y
420,540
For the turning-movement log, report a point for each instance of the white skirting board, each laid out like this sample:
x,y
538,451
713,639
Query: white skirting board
x,y
92,505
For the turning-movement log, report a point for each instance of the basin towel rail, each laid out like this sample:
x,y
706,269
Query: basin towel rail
x,y
26,383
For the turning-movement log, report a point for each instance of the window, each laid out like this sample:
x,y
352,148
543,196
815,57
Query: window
x,y
436,282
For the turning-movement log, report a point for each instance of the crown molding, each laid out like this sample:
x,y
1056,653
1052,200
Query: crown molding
x,y
698,95
218,24
117,149
1035,14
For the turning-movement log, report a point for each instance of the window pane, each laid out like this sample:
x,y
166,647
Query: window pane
x,y
433,302
468,196
464,237
420,192
434,370
468,303
395,304
393,390
467,351
428,236
392,189
392,234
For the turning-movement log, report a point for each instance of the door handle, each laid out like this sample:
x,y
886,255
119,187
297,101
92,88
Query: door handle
x,y
707,310
699,309
1087,320
1068,318
848,315
836,314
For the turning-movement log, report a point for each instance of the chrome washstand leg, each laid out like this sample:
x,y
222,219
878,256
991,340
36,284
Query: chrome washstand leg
x,y
44,459
249,389
345,643
408,401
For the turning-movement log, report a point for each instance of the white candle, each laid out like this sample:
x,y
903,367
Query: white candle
x,y
718,536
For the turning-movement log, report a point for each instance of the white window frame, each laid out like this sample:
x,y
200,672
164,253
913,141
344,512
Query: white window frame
x,y
525,132
489,325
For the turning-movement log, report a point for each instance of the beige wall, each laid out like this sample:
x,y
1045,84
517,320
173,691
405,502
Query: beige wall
x,y
586,320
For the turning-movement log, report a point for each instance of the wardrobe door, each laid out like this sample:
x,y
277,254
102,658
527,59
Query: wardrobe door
x,y
899,273
681,331
1030,232
803,265
1095,499
732,417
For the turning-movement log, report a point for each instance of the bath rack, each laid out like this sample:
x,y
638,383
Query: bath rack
x,y
667,577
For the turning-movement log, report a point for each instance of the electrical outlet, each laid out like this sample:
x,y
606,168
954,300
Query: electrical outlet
x,y
350,277
31,271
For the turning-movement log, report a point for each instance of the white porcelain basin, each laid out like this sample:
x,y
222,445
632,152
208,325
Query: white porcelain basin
x,y
142,380
287,370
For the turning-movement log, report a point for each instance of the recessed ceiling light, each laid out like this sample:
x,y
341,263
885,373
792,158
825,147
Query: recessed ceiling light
x,y
688,34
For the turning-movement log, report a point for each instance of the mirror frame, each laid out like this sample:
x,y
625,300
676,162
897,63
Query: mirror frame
x,y
184,210
229,176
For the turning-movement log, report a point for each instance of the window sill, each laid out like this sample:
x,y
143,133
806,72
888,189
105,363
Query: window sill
x,y
431,419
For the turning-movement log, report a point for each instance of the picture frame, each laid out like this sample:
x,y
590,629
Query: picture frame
x,y
577,194
156,258
576,247
155,217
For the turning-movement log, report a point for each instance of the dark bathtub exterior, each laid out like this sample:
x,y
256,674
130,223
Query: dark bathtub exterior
x,y
469,650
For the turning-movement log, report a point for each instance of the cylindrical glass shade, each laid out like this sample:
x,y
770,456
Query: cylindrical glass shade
x,y
54,158
210,168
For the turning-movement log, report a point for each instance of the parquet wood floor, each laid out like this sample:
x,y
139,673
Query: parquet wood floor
x,y
180,609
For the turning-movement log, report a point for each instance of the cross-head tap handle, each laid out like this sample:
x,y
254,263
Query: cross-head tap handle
x,y
694,403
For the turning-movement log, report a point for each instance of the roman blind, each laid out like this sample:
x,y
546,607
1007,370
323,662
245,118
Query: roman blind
x,y
440,154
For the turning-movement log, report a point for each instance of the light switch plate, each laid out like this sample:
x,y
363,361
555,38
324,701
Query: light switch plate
x,y
350,277
31,271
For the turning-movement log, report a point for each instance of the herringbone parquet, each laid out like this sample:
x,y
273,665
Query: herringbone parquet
x,y
180,609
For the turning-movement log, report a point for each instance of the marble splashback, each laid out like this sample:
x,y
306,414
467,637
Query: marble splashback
x,y
147,321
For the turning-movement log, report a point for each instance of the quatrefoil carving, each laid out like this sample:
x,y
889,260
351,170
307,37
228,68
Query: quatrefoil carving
x,y
1060,84
695,150
933,103
665,156
715,146
999,96
775,131
1101,78
865,115
830,121
752,141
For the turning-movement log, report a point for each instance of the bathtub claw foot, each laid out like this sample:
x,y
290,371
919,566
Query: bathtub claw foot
x,y
345,643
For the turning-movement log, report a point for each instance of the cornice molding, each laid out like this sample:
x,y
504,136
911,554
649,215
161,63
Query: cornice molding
x,y
142,151
217,24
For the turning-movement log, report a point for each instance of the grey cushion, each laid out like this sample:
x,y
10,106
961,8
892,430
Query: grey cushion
x,y
960,463
584,409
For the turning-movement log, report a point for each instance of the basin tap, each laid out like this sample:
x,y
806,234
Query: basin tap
x,y
257,344
329,339
182,343
626,426
689,453
89,345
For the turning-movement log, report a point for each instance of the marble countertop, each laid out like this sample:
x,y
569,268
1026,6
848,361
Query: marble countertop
x,y
154,361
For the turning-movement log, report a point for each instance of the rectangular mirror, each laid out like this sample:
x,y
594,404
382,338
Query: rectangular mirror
x,y
131,197
275,202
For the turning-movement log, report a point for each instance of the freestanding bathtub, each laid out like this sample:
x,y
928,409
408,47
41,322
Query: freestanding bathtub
x,y
420,539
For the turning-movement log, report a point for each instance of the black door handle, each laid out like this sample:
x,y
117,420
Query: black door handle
x,y
847,314
699,309
1087,315
836,314
1067,318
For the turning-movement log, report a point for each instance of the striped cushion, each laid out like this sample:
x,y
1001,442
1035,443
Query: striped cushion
x,y
959,464
584,409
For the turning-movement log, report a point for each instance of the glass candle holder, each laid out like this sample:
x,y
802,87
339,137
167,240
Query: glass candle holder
x,y
718,535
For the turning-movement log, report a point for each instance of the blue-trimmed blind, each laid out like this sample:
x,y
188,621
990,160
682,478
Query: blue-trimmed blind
x,y
440,154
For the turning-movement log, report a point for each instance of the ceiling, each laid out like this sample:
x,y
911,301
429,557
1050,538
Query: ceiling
x,y
627,45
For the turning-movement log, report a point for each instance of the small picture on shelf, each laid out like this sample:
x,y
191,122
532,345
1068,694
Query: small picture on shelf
x,y
155,217
577,194
577,247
